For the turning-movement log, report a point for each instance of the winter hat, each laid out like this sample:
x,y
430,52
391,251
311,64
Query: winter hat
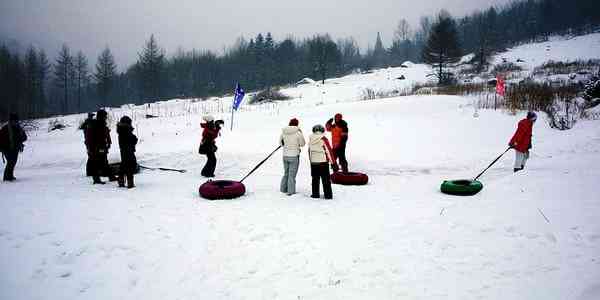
x,y
318,128
531,116
338,117
101,114
208,118
294,122
125,120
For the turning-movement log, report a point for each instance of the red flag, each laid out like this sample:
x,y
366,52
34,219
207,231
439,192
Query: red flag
x,y
500,87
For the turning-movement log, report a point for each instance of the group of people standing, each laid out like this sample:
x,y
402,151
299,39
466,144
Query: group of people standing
x,y
320,153
98,142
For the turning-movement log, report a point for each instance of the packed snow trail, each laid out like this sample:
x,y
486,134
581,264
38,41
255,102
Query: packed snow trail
x,y
398,237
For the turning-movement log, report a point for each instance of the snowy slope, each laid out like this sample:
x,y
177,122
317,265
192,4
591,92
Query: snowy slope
x,y
557,49
530,235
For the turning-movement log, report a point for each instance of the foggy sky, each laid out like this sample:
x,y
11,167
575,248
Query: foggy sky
x,y
124,25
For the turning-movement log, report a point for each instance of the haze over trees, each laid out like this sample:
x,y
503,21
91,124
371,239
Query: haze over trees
x,y
33,86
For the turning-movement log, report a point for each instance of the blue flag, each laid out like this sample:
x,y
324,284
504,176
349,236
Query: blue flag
x,y
238,96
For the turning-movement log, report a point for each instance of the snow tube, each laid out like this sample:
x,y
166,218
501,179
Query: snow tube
x,y
462,187
222,189
350,178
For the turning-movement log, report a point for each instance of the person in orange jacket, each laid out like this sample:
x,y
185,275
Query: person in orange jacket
x,y
521,141
339,139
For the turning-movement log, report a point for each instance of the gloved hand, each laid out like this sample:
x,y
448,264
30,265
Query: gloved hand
x,y
511,145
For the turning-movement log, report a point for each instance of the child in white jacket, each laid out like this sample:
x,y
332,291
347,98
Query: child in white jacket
x,y
320,154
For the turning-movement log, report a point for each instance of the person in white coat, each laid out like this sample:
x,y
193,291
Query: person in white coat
x,y
320,155
292,141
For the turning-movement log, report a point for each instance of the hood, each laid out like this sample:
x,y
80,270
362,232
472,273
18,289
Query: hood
x,y
315,138
289,130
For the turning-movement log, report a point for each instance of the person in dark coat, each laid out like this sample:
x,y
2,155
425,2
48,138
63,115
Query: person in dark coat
x,y
127,142
12,137
98,143
208,146
521,141
85,126
339,138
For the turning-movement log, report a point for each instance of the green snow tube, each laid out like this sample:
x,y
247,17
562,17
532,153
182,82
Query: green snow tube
x,y
462,187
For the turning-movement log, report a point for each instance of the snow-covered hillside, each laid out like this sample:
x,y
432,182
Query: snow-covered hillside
x,y
557,49
530,235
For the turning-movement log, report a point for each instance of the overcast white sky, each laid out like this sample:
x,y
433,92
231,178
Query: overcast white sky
x,y
124,25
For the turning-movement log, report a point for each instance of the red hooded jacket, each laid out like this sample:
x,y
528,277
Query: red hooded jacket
x,y
521,140
210,133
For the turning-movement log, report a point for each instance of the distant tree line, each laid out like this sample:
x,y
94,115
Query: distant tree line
x,y
33,85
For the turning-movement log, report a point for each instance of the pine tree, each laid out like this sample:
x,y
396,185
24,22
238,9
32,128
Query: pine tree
x,y
81,76
324,56
379,54
442,47
63,73
31,80
151,66
105,74
43,70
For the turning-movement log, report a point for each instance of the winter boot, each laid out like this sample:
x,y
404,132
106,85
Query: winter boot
x,y
121,180
97,180
517,170
130,183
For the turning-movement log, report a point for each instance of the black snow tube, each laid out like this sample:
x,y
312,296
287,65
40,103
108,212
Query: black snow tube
x,y
462,187
222,189
350,178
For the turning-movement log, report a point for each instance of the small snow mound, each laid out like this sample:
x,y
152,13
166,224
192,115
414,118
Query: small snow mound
x,y
467,58
305,80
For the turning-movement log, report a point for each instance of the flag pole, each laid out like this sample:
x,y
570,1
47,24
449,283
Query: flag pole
x,y
232,110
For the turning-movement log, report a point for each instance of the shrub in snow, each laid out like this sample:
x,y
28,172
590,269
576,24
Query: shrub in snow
x,y
267,95
564,114
367,94
506,68
591,92
581,67
56,125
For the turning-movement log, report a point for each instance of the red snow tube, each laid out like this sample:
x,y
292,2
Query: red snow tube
x,y
222,189
350,178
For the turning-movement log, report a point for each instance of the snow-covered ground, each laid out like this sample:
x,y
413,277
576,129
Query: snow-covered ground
x,y
530,235
558,48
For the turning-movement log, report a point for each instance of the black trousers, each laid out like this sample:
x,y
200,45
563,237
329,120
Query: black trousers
x,y
100,166
210,166
11,162
320,172
340,154
89,166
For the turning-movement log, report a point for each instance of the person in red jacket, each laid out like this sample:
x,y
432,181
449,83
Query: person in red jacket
x,y
521,141
339,139
208,146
